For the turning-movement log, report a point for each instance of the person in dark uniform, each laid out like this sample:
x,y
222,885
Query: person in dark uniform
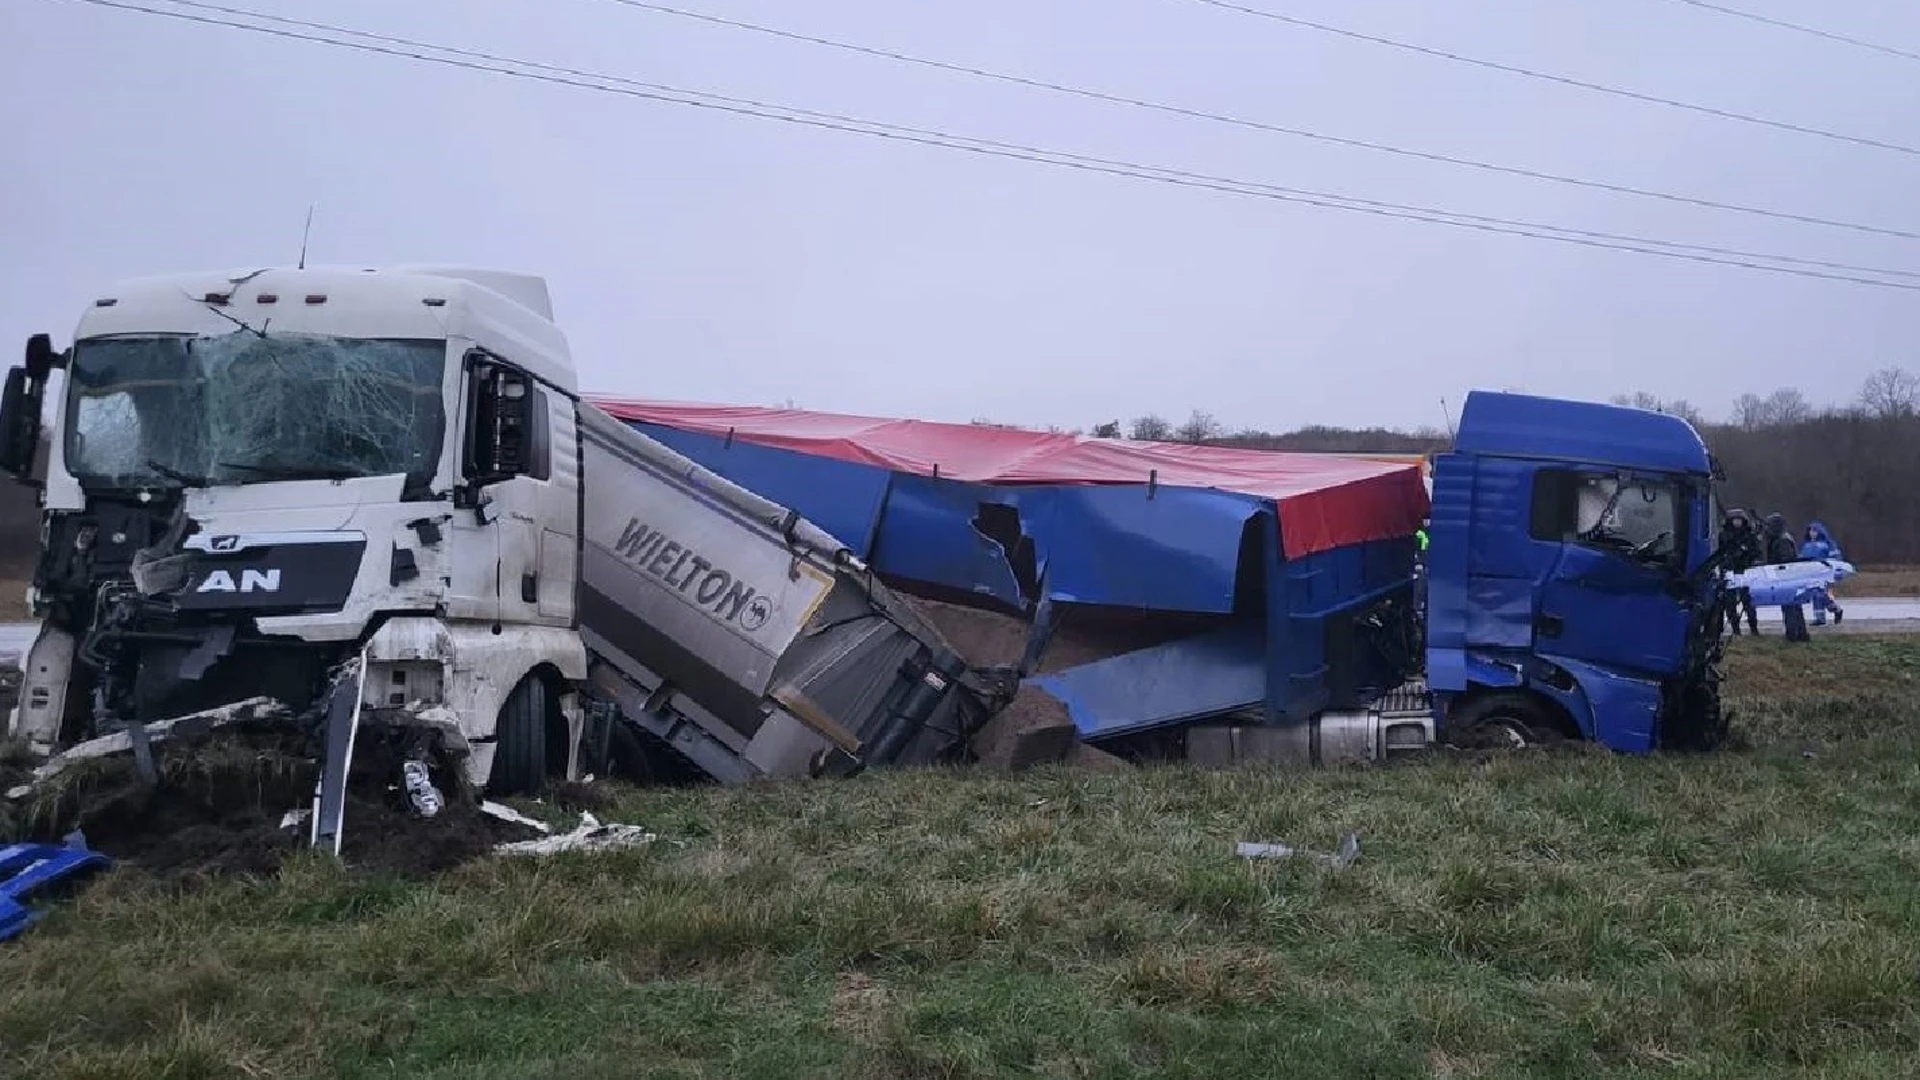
x,y
1739,550
1779,547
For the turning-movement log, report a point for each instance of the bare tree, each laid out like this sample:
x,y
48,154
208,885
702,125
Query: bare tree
x,y
1198,428
1788,406
1108,430
1639,399
1891,392
1679,407
1750,412
1150,428
1783,407
1685,410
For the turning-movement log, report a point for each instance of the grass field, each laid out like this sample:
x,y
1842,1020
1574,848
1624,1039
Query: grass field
x,y
1883,581
1747,914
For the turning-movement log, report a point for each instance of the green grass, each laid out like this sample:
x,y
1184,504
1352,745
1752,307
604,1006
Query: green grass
x,y
1753,913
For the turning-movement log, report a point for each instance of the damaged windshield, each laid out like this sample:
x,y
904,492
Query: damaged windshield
x,y
247,407
1640,517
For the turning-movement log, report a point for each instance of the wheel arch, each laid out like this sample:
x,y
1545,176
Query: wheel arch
x,y
1479,702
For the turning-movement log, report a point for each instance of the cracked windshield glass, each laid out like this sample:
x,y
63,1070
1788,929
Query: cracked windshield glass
x,y
1641,515
249,407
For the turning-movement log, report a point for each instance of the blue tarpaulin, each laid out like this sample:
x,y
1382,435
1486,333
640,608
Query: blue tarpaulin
x,y
1132,546
1122,545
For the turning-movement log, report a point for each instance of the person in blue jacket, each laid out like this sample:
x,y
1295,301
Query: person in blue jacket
x,y
1818,544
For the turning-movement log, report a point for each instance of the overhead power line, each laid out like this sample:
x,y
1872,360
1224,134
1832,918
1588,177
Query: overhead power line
x,y
1801,28
1563,80
1258,125
491,63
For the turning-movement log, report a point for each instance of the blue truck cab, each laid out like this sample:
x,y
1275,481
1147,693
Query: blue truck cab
x,y
1569,590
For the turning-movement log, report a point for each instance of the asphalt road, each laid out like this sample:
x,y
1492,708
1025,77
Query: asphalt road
x,y
15,640
1864,616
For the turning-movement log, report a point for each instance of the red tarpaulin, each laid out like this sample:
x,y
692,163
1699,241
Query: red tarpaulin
x,y
1325,501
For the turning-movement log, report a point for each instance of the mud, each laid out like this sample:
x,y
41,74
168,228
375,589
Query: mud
x,y
219,807
575,797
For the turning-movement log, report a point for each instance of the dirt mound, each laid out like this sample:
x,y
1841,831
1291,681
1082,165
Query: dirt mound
x,y
1034,728
1080,636
574,796
385,839
219,810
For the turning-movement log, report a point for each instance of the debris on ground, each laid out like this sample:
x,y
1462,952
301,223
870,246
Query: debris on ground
x,y
589,835
1340,859
28,871
503,812
421,793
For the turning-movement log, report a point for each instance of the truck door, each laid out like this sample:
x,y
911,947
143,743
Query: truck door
x,y
522,476
1611,595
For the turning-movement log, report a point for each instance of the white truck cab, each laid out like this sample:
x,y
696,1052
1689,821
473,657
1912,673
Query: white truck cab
x,y
262,482
377,460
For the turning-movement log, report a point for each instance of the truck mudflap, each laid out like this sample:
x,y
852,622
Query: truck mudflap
x,y
340,727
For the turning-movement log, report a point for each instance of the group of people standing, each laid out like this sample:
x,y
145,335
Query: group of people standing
x,y
1744,546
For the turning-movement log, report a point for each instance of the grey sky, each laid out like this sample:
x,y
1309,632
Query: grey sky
x,y
700,256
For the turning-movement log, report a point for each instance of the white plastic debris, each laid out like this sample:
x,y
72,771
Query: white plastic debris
x,y
420,790
1348,851
293,819
589,835
505,813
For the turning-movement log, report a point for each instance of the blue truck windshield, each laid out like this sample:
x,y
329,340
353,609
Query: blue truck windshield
x,y
246,407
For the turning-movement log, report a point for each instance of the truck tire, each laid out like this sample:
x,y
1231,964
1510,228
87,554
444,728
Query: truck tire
x,y
1504,720
520,747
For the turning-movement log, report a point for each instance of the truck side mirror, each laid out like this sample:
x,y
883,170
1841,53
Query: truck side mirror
x,y
500,424
20,423
41,359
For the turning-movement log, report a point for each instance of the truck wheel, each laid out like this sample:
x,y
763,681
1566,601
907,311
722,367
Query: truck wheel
x,y
520,748
1502,721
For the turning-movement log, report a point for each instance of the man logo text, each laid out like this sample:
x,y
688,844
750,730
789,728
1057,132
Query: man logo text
x,y
251,581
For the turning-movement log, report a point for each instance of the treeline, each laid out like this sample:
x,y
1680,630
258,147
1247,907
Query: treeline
x,y
1854,467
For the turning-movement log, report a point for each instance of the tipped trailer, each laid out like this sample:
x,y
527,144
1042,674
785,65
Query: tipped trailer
x,y
376,498
1569,589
